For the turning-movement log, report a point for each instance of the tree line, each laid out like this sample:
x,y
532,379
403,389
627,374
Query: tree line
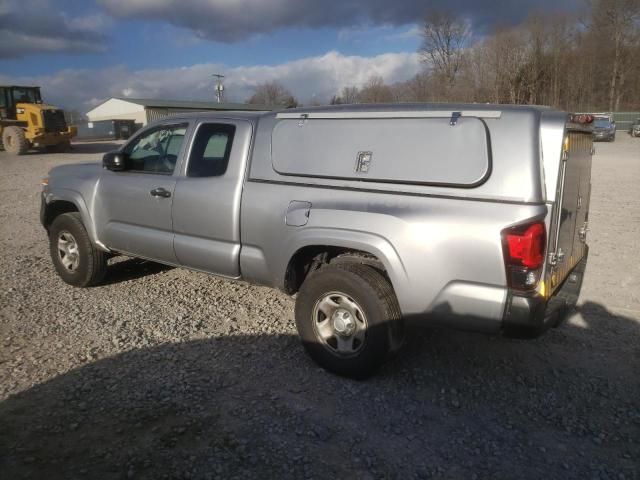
x,y
588,61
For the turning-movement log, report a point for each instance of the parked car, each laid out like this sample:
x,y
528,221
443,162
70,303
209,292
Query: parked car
x,y
473,217
604,129
635,128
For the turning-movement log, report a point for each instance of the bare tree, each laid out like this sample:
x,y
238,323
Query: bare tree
x,y
413,90
444,38
348,95
548,59
273,94
504,56
376,91
586,61
617,22
560,33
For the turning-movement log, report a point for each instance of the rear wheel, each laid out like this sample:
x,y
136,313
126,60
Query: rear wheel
x,y
14,140
348,318
77,261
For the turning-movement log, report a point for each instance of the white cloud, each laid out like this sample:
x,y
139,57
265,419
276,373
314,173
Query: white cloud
x,y
316,78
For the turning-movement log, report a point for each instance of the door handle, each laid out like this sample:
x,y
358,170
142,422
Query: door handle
x,y
160,192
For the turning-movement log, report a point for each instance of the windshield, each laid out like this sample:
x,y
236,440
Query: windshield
x,y
602,123
25,95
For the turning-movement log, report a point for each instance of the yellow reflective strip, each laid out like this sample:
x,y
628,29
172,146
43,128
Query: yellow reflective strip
x,y
542,289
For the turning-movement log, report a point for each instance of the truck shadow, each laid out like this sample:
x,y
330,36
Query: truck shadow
x,y
125,269
452,405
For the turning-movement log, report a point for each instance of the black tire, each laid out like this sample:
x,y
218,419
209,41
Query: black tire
x,y
14,140
91,262
374,296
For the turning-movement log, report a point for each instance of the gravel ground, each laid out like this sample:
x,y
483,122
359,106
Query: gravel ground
x,y
165,373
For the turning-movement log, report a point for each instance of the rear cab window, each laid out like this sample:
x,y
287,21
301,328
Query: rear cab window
x,y
211,150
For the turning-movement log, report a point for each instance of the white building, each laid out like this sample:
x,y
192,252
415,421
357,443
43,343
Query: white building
x,y
145,110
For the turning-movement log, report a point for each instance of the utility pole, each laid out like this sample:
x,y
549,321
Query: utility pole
x,y
219,87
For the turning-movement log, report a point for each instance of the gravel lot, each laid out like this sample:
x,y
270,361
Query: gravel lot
x,y
165,373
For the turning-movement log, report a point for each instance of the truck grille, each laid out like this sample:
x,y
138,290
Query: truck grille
x,y
54,121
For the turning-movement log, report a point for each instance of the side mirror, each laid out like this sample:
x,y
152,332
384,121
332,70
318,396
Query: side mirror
x,y
114,161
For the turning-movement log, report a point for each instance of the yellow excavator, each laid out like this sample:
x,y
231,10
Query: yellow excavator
x,y
26,122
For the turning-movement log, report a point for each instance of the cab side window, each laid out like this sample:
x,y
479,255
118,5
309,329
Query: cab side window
x,y
157,150
211,150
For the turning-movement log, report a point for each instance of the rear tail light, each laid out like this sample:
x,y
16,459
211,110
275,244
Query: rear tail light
x,y
524,252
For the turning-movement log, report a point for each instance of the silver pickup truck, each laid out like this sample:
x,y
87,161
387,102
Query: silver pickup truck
x,y
468,216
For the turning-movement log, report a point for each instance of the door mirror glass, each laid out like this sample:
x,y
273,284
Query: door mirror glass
x,y
114,161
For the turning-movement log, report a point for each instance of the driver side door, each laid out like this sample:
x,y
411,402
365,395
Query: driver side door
x,y
133,206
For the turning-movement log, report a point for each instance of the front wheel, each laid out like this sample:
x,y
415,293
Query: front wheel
x,y
15,141
77,261
348,318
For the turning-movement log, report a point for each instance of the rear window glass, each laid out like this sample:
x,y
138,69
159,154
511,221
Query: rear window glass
x,y
602,122
211,150
401,150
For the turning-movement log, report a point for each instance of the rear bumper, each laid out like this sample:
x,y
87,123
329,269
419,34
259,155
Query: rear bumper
x,y
491,309
604,136
532,314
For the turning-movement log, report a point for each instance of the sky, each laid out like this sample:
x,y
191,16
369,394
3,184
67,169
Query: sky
x,y
83,51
